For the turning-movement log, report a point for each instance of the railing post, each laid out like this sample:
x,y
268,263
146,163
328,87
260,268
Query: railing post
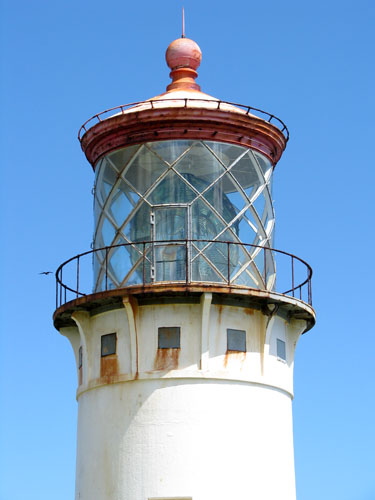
x,y
228,263
265,267
144,264
186,262
77,275
293,275
57,293
106,268
60,286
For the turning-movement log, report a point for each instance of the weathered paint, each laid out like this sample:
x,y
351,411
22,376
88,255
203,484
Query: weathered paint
x,y
166,359
219,432
108,366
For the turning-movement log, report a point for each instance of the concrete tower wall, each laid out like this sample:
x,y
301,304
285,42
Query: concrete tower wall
x,y
199,421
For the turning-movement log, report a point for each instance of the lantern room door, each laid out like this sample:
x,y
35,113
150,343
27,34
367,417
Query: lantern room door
x,y
170,235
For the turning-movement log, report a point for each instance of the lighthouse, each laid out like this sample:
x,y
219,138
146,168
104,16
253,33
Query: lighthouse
x,y
183,317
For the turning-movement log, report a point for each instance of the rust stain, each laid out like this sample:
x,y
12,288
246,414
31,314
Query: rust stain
x,y
108,367
134,305
235,358
220,310
249,312
80,376
166,359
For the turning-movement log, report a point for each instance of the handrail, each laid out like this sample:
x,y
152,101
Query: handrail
x,y
99,116
299,290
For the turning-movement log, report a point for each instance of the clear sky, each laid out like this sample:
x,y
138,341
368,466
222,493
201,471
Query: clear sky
x,y
311,64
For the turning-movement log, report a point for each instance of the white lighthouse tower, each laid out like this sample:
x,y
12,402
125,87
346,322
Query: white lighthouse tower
x,y
185,339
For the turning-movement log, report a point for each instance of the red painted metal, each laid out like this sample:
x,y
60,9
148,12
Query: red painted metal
x,y
154,120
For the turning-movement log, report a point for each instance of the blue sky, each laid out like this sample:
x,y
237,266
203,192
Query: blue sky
x,y
311,64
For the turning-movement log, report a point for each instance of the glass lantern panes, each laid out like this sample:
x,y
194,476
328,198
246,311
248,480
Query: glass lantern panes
x,y
170,208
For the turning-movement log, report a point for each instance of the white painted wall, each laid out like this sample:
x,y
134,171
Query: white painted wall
x,y
215,426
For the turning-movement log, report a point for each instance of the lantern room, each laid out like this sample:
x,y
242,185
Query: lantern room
x,y
183,186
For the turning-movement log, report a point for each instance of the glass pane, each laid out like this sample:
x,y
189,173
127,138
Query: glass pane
x,y
169,151
97,211
247,231
171,223
264,163
119,263
121,203
199,167
203,271
246,175
246,279
170,263
139,227
141,270
108,232
217,253
205,224
259,205
237,200
226,152
107,178
119,159
144,170
219,200
172,189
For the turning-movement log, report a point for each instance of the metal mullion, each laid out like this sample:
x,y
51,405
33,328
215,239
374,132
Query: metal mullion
x,y
121,178
238,159
111,276
213,265
216,213
269,204
130,217
258,168
99,218
129,242
156,182
130,162
131,271
252,256
177,159
130,185
212,183
265,184
101,271
241,270
254,278
214,154
256,217
104,208
188,184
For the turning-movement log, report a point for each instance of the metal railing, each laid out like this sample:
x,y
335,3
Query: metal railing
x,y
152,104
293,276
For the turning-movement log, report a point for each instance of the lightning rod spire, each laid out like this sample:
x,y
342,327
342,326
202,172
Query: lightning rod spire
x,y
183,23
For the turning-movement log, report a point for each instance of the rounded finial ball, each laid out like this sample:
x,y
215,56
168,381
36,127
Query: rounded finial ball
x,y
183,53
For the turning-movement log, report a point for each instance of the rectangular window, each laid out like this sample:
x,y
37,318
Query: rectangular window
x,y
108,344
281,352
80,357
236,340
169,337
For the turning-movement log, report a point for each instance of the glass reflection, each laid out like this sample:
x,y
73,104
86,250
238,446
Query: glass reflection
x,y
183,190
